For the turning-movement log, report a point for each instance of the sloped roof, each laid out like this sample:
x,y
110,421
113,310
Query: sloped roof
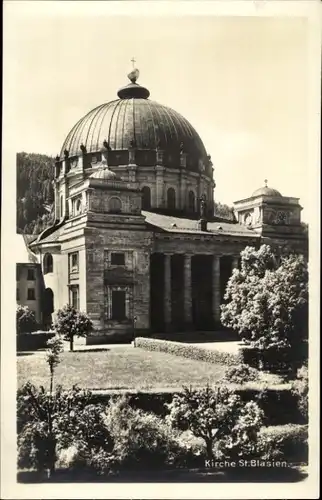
x,y
180,224
52,237
22,253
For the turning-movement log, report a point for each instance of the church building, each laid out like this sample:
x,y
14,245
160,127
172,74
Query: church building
x,y
135,242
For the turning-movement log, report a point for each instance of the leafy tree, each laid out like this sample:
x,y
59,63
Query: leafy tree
x,y
215,414
70,323
267,302
25,320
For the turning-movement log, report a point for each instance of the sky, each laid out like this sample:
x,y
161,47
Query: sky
x,y
242,82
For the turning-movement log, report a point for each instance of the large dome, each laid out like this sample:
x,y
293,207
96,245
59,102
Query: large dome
x,y
133,119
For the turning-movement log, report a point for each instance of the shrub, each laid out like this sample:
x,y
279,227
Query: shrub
x,y
284,442
276,359
240,374
25,320
188,351
43,419
216,415
140,438
301,389
33,341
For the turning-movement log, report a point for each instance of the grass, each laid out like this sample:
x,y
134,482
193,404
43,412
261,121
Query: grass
x,y
119,368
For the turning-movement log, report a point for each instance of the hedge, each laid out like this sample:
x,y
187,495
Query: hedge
x,y
279,404
275,360
33,341
188,351
290,441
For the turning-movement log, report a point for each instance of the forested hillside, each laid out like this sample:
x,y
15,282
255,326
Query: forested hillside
x,y
35,194
223,210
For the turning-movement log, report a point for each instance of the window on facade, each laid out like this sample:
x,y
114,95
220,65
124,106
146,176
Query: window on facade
x,y
117,259
78,206
191,201
31,275
146,198
118,305
171,198
17,294
17,272
115,204
48,263
73,262
31,295
74,296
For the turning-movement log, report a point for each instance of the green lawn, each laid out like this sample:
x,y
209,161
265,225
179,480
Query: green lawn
x,y
118,368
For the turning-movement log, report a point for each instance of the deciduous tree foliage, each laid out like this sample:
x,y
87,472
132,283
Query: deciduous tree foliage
x,y
217,415
25,320
70,323
267,302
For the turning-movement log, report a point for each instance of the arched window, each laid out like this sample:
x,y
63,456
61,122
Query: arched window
x,y
115,204
171,199
191,201
146,198
48,264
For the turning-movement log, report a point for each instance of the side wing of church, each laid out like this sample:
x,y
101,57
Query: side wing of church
x,y
135,243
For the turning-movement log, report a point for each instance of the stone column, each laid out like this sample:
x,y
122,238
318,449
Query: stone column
x,y
187,290
235,262
167,291
216,288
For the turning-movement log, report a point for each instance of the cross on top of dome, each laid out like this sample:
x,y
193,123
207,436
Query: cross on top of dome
x,y
134,74
133,89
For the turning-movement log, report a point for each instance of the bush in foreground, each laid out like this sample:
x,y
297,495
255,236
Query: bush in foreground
x,y
284,442
219,417
301,389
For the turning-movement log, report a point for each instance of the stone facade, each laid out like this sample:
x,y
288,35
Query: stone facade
x,y
135,243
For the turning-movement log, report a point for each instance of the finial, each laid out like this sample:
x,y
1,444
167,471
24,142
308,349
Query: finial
x,y
66,153
83,148
134,74
265,180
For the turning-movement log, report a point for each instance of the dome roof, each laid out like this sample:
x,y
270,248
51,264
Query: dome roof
x,y
266,191
133,119
104,173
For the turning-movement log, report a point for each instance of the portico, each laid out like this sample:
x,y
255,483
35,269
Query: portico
x,y
189,289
